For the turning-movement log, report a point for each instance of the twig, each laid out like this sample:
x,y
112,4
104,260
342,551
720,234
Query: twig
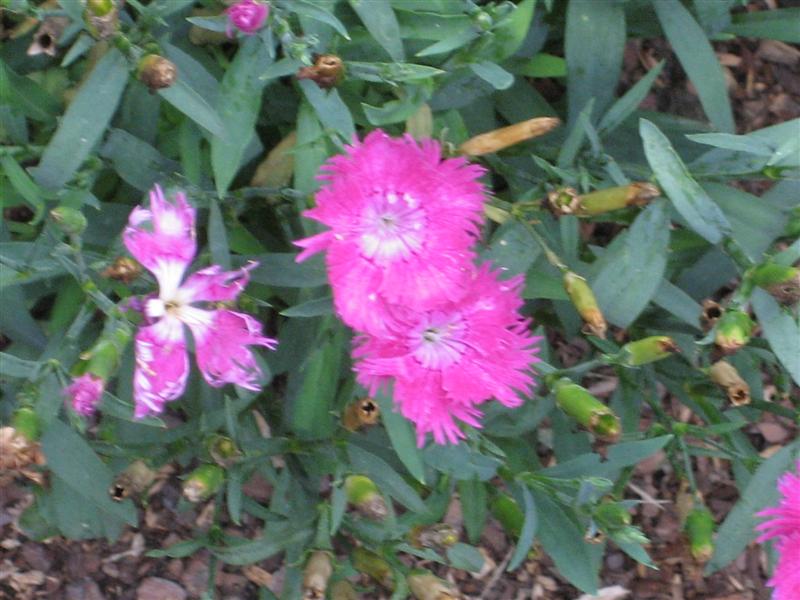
x,y
498,572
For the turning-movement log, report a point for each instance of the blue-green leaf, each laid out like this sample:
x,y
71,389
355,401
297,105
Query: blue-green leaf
x,y
402,436
380,20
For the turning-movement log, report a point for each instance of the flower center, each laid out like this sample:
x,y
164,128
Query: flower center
x,y
392,226
438,341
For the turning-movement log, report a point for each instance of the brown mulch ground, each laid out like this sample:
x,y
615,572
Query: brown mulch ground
x,y
764,80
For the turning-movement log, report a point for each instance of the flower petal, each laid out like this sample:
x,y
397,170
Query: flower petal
x,y
222,349
162,366
215,285
85,393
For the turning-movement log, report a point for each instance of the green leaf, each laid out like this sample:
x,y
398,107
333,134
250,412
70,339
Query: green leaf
x,y
331,110
577,135
380,20
310,151
238,105
84,122
728,141
401,435
281,270
529,526
312,390
23,184
274,539
493,74
512,249
633,267
135,161
380,72
24,94
593,69
311,308
465,557
387,480
307,9
541,65
11,366
782,330
738,529
455,40
509,34
630,101
698,60
178,550
474,507
779,24
193,105
691,201
677,302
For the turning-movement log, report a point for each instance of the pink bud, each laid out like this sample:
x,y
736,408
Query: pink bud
x,y
248,16
85,393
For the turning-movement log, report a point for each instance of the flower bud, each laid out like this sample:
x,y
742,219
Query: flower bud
x,y
69,220
424,585
363,494
100,8
436,536
123,269
371,564
568,202
85,393
248,16
135,479
360,413
156,72
223,450
343,590
496,140
587,410
102,18
781,281
612,516
27,423
203,482
727,377
326,72
584,301
699,528
316,575
733,331
649,349
506,510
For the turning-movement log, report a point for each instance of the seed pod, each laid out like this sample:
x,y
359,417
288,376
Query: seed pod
x,y
781,281
733,331
424,585
363,494
587,410
102,18
326,72
277,168
223,450
373,565
45,40
584,301
343,590
506,510
156,72
712,312
132,481
316,575
123,269
437,536
69,220
567,201
727,377
18,455
504,137
203,482
649,349
699,528
361,413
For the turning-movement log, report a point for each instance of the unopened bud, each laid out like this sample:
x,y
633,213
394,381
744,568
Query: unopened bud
x,y
568,202
156,72
123,269
105,355
371,564
496,140
316,575
135,479
712,311
584,301
99,8
27,423
102,18
612,516
223,450
437,536
699,528
587,410
781,281
506,510
363,494
343,590
360,413
733,331
727,377
326,72
203,482
649,349
69,220
424,585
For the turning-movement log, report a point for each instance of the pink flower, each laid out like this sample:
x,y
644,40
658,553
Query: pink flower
x,y
85,393
447,361
784,525
247,16
165,248
402,225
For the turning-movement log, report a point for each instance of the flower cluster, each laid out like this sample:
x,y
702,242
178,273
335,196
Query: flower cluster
x,y
784,527
248,16
403,223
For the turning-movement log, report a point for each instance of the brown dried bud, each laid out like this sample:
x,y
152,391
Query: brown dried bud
x,y
45,40
156,72
18,454
567,201
102,18
133,480
504,137
326,72
437,536
123,269
424,585
727,377
712,311
361,413
316,575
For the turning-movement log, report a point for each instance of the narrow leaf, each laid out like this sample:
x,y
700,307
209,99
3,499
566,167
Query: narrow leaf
x,y
380,20
402,436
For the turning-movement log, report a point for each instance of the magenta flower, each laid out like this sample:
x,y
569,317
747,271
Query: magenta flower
x,y
248,16
166,247
445,362
85,393
402,225
784,526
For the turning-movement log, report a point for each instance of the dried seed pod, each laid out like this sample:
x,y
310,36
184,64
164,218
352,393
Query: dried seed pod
x,y
19,455
584,301
437,536
424,585
712,312
361,413
496,140
45,40
134,480
343,590
781,281
727,377
102,18
316,575
223,450
156,72
567,201
363,494
371,564
326,72
123,269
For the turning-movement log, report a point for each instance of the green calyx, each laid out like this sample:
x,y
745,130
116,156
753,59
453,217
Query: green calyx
x,y
203,482
734,329
699,528
781,281
27,423
506,510
647,350
69,220
587,410
585,302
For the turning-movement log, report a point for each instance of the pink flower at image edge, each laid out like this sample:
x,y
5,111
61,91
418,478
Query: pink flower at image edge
x,y
162,239
85,393
248,16
783,525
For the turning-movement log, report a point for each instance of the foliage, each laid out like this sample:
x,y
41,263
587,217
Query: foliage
x,y
245,139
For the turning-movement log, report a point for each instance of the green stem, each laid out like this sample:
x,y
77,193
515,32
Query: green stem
x,y
549,254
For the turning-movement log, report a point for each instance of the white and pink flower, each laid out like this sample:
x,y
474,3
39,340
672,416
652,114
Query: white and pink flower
x,y
85,393
162,238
